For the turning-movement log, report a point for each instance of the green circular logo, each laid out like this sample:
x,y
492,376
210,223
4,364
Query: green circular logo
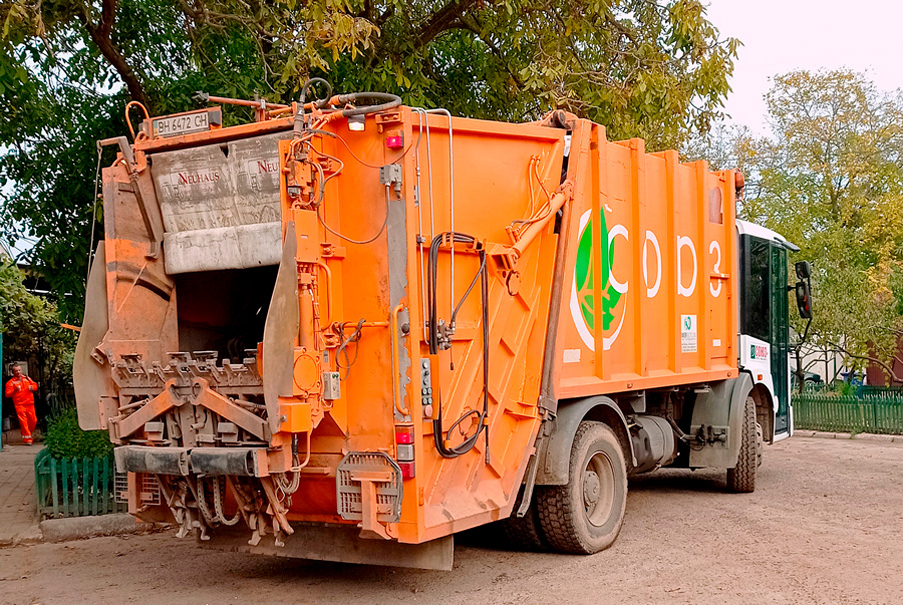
x,y
583,275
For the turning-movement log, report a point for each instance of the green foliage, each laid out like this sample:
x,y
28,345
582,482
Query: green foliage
x,y
31,328
65,439
846,389
654,69
830,179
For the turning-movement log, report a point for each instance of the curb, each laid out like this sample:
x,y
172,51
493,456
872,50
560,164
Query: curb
x,y
852,436
32,535
79,528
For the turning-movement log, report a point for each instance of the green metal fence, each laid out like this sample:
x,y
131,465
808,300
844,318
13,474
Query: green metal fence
x,y
75,487
879,413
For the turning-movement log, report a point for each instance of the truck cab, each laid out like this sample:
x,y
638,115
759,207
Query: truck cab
x,y
764,325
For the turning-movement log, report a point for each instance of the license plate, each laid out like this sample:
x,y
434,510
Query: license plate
x,y
185,123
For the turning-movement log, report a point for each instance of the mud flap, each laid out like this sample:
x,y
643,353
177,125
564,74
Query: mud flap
x,y
321,542
722,408
89,376
280,331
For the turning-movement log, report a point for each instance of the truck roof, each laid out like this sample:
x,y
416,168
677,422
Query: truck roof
x,y
747,228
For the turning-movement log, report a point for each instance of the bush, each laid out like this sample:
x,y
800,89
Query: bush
x,y
65,439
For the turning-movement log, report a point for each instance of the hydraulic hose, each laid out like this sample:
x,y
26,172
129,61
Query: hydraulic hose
x,y
299,117
388,102
439,433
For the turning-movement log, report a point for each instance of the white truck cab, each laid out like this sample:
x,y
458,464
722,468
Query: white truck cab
x,y
764,324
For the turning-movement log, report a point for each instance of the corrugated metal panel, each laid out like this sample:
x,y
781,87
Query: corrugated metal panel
x,y
220,204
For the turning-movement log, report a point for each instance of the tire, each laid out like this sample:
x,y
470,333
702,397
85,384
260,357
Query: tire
x,y
742,478
524,533
585,516
760,444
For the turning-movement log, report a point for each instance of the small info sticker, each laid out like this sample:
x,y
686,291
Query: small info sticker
x,y
571,355
687,333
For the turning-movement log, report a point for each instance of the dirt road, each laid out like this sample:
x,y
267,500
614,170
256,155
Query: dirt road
x,y
825,526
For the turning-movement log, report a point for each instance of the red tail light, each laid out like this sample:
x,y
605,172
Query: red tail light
x,y
404,450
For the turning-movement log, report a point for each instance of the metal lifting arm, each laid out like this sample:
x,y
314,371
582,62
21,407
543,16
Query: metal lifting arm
x,y
564,193
508,255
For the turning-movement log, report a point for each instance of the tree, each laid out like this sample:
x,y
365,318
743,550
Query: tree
x,y
650,68
830,179
32,332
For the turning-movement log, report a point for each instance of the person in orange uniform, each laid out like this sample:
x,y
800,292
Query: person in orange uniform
x,y
20,389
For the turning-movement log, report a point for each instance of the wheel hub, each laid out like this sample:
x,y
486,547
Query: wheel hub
x,y
591,488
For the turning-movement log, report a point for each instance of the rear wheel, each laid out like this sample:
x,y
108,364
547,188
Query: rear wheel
x,y
742,478
524,532
585,516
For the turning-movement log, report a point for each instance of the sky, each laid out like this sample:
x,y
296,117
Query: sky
x,y
783,35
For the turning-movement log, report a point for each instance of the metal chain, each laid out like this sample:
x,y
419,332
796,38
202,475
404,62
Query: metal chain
x,y
218,489
202,503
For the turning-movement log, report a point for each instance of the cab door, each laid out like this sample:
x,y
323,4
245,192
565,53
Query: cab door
x,y
764,321
780,337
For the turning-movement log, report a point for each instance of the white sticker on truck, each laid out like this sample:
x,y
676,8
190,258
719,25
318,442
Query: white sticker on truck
x,y
571,355
687,333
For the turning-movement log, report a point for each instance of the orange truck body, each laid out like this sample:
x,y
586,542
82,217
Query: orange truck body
x,y
311,406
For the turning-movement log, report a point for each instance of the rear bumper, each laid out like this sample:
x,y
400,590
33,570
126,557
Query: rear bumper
x,y
240,461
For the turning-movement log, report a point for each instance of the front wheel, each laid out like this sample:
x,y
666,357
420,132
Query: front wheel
x,y
742,478
585,516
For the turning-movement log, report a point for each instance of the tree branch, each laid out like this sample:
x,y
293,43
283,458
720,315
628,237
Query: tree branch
x,y
442,20
475,28
886,367
108,15
101,36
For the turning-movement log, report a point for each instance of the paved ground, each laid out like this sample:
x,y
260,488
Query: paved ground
x,y
824,527
18,514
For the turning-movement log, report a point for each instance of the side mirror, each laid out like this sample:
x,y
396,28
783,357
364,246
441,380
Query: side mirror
x,y
802,269
803,295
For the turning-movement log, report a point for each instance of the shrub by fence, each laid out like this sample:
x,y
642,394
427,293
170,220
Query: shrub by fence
x,y
880,413
75,487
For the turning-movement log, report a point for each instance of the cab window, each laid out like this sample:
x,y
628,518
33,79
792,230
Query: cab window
x,y
755,295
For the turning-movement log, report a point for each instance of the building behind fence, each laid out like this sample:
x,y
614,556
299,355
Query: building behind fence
x,y
866,410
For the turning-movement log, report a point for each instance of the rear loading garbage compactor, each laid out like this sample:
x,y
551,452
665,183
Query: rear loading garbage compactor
x,y
350,332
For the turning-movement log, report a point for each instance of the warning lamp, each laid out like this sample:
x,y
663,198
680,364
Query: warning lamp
x,y
395,141
356,122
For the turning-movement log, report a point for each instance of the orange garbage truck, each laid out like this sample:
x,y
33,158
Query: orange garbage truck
x,y
350,329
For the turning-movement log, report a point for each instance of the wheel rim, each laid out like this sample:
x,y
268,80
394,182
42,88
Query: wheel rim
x,y
598,489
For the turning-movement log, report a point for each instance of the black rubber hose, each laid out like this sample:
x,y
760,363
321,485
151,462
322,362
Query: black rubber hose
x,y
388,102
432,311
439,432
299,117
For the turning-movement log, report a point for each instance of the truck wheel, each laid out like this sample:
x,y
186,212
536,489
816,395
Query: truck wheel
x,y
585,516
524,533
742,478
760,444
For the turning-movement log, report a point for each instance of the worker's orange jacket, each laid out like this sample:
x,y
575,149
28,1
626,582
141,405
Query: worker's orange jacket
x,y
21,390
